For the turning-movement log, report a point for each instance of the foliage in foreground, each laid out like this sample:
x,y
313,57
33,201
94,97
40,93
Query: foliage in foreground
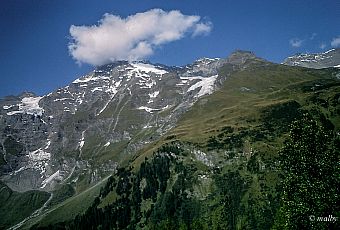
x,y
310,164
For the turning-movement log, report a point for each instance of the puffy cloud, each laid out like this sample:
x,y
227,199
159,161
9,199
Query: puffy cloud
x,y
335,42
295,42
202,28
132,38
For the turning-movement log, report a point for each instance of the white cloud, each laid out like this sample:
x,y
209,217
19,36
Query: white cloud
x,y
335,42
295,42
132,38
202,29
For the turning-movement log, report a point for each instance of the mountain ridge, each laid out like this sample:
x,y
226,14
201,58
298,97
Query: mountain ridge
x,y
330,58
219,165
101,96
212,114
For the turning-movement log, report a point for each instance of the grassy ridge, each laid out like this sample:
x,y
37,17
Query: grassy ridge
x,y
246,98
16,206
245,95
68,209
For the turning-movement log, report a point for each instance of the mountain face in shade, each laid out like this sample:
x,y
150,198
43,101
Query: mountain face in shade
x,y
330,58
84,130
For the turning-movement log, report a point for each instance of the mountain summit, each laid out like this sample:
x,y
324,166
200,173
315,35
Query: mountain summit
x,y
140,145
88,128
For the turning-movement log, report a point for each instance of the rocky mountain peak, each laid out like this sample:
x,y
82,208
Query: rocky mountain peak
x,y
330,58
112,111
239,57
110,66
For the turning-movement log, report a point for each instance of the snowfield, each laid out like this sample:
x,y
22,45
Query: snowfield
x,y
206,84
28,105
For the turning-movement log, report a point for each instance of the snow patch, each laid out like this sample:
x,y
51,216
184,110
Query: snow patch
x,y
48,144
112,90
89,78
8,106
48,180
206,60
146,85
147,68
39,155
29,105
150,110
82,142
148,126
19,170
62,99
244,89
206,85
141,70
154,94
147,109
165,107
106,104
185,79
38,160
331,50
97,89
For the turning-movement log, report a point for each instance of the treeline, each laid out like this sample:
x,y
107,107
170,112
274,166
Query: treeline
x,y
162,193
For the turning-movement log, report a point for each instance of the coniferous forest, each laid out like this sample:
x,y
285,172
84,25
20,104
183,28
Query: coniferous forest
x,y
160,194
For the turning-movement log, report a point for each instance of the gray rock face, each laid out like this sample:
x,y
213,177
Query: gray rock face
x,y
80,133
327,59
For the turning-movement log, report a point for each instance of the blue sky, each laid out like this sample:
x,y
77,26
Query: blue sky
x,y
35,34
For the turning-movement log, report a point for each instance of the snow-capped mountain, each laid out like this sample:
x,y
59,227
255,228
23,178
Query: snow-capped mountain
x,y
330,58
81,132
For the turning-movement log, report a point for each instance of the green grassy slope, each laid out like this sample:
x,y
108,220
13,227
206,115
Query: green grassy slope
x,y
68,209
246,94
15,206
262,99
218,168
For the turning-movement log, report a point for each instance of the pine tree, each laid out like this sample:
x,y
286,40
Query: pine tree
x,y
310,163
